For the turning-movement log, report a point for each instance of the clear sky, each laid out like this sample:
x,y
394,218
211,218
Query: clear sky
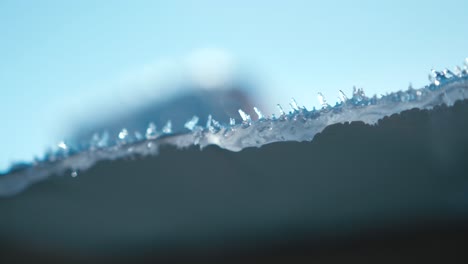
x,y
59,53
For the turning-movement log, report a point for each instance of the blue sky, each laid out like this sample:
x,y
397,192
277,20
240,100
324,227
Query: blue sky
x,y
59,58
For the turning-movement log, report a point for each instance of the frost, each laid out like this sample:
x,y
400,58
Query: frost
x,y
190,125
62,145
259,114
280,109
167,129
245,117
446,87
123,134
151,132
294,105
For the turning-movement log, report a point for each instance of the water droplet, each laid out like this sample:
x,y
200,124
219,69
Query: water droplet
x,y
245,117
74,173
167,129
259,114
294,105
151,132
232,121
123,134
190,125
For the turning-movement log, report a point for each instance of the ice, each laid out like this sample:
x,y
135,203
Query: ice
x,y
216,124
138,136
342,96
190,125
322,100
281,111
123,134
446,87
62,145
212,125
167,129
151,132
259,113
294,105
245,117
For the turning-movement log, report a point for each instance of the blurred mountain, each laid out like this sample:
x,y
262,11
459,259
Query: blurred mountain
x,y
221,103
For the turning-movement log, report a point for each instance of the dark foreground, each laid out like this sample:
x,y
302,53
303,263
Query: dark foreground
x,y
395,192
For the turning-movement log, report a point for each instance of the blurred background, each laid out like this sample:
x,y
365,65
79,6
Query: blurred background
x,y
71,68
